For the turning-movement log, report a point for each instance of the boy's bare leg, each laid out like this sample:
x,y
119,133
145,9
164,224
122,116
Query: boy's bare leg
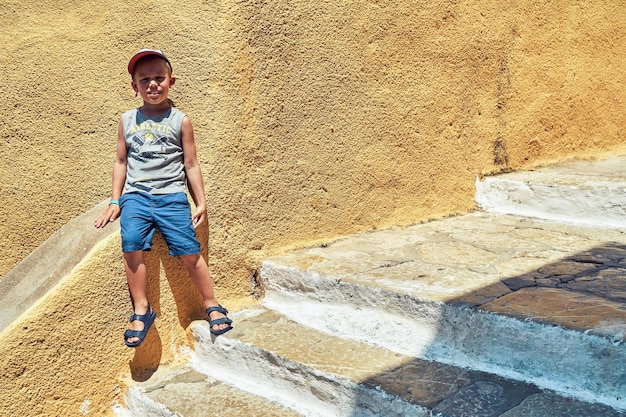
x,y
199,273
137,278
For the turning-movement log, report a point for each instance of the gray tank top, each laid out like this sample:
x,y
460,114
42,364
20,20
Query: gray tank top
x,y
154,148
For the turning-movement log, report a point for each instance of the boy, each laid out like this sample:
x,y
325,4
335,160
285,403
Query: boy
x,y
155,163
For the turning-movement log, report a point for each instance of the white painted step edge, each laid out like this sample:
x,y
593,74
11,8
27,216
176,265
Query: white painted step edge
x,y
596,206
138,404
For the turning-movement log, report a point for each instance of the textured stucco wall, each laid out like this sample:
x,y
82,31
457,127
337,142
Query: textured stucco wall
x,y
313,119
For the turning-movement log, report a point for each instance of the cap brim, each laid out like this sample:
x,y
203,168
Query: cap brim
x,y
143,54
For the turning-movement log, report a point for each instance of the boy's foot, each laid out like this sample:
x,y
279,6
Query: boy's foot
x,y
218,320
139,327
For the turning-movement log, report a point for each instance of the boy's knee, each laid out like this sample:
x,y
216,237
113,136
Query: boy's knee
x,y
134,257
191,260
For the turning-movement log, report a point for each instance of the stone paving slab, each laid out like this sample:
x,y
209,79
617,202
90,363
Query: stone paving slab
x,y
579,174
569,309
546,404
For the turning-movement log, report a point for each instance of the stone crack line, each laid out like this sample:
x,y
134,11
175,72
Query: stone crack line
x,y
389,264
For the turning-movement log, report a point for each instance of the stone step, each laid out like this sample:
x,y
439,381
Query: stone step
x,y
591,192
183,391
528,300
317,374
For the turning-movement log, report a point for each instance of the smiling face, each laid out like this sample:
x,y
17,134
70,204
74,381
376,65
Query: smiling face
x,y
152,80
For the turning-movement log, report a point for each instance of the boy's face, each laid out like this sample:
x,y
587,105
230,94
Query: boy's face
x,y
152,80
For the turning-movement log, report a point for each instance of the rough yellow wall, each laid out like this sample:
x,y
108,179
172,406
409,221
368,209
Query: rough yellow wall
x,y
313,119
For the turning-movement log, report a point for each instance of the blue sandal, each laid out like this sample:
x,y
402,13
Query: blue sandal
x,y
147,320
221,320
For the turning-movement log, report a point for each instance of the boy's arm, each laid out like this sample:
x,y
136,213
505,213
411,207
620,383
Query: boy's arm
x,y
119,179
193,172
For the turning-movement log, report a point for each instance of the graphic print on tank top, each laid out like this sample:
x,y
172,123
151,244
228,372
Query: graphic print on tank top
x,y
148,148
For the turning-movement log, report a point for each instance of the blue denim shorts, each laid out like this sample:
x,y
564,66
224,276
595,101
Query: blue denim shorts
x,y
143,213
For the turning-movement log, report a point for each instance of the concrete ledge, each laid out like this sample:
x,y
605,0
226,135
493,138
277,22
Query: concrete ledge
x,y
40,271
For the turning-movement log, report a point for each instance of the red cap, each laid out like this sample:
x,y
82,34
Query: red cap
x,y
143,53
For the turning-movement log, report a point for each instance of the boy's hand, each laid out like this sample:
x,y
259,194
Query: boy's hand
x,y
110,214
199,217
